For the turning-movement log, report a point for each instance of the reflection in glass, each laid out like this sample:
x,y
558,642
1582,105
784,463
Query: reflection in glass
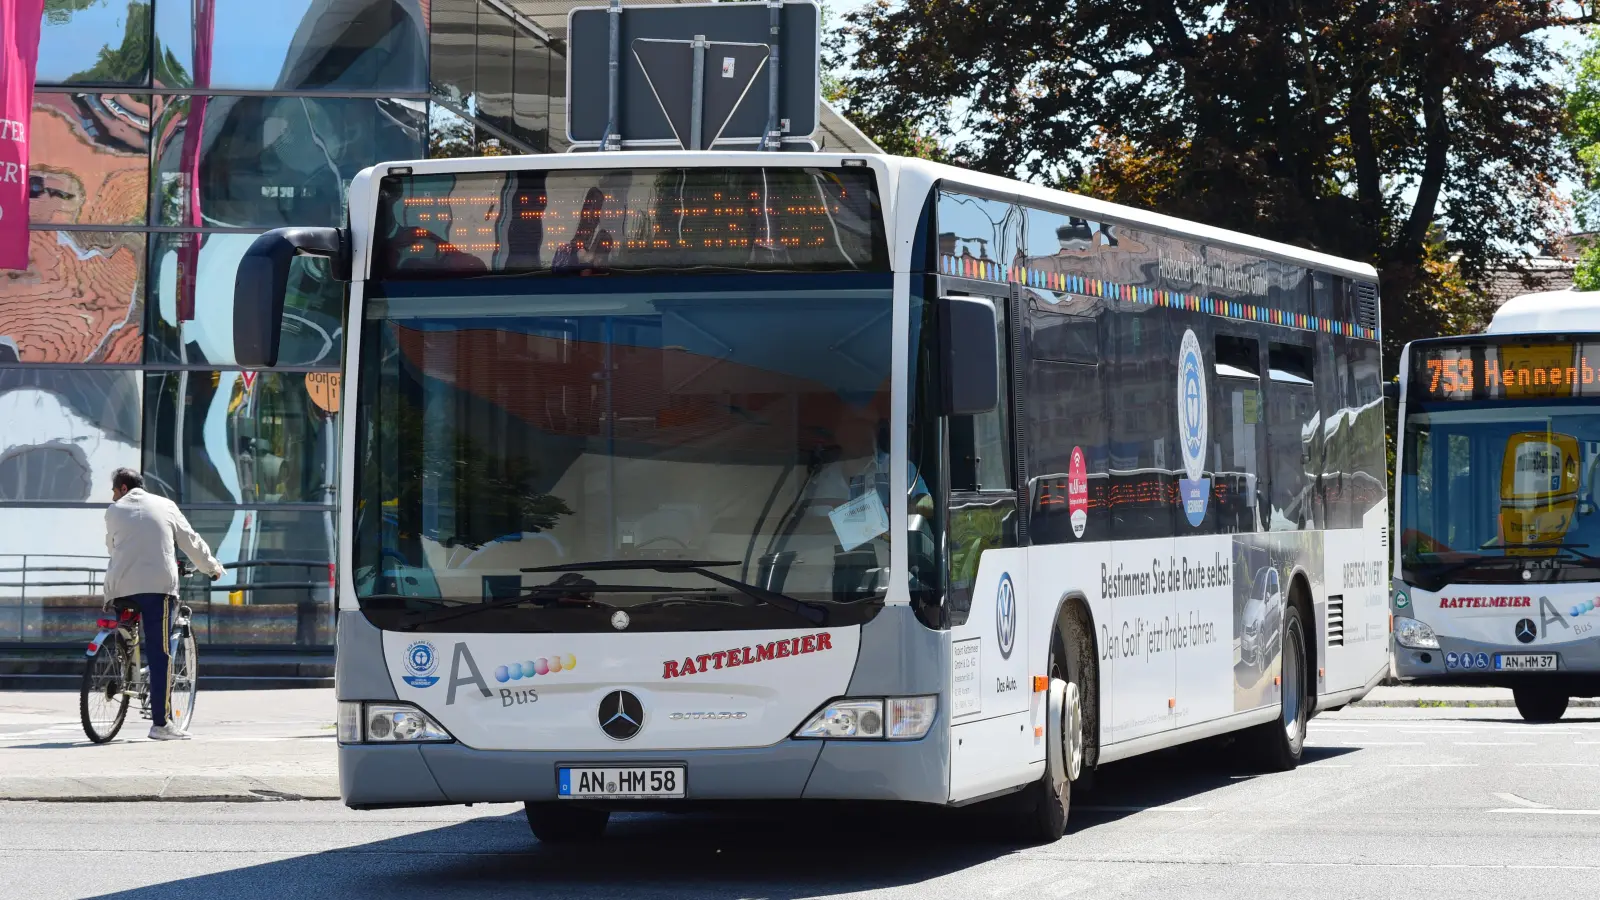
x,y
79,301
64,431
453,40
489,70
89,163
279,587
450,136
236,437
105,42
52,568
1505,478
746,421
361,45
272,161
190,315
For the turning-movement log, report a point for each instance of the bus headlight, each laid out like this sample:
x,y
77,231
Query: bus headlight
x,y
1414,634
387,723
892,718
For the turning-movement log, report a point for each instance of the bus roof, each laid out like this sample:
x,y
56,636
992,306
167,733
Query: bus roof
x,y
1564,311
904,173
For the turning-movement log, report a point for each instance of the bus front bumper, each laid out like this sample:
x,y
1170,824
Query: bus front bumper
x,y
376,776
1577,664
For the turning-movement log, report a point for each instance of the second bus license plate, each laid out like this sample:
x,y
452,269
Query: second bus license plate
x,y
1524,662
619,782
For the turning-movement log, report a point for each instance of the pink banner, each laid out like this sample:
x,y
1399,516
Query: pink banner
x,y
19,53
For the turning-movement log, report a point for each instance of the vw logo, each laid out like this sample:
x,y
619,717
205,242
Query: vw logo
x,y
1526,631
1005,616
621,715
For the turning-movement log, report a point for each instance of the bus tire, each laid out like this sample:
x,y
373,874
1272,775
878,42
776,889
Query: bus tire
x,y
1278,744
1046,802
1540,704
564,823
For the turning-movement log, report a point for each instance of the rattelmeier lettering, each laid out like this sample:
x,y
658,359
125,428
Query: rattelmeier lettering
x,y
1485,602
747,656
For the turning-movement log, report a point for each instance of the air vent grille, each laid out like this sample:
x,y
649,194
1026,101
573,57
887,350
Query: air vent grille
x,y
1367,305
1336,620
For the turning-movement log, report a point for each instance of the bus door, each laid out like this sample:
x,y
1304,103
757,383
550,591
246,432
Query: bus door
x,y
987,588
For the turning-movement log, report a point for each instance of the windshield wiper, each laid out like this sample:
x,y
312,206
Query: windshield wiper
x,y
808,611
431,601
1439,577
562,586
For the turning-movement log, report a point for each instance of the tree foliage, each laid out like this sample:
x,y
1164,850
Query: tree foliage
x,y
1414,134
1583,108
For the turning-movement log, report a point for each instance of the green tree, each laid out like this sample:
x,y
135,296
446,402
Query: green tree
x,y
1415,134
1583,108
128,63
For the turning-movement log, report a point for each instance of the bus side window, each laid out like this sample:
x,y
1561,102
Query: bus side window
x,y
1294,433
1144,457
1237,417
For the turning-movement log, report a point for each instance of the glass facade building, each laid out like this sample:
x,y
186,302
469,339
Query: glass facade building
x,y
166,135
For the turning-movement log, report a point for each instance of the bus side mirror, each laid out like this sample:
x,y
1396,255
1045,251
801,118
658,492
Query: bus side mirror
x,y
1391,391
970,355
262,281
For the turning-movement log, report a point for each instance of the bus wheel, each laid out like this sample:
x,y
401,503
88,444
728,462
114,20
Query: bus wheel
x,y
1046,801
1540,704
563,823
1278,744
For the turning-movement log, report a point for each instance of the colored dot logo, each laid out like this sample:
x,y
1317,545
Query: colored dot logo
x,y
533,668
1581,608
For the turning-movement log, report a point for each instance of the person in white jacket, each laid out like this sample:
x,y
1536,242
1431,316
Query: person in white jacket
x,y
141,530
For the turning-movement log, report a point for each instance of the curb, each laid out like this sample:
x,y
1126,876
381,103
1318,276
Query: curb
x,y
171,789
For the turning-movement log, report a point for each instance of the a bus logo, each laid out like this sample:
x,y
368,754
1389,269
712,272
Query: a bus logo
x,y
422,661
1195,490
1005,616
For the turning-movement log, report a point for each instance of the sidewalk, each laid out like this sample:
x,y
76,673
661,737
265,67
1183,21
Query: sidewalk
x,y
248,746
279,745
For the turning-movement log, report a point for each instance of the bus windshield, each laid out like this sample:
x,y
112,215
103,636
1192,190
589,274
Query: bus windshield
x,y
1501,493
508,425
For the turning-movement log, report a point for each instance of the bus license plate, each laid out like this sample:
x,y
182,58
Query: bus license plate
x,y
1524,662
612,782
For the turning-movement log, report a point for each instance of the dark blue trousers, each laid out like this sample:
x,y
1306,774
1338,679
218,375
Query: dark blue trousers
x,y
155,611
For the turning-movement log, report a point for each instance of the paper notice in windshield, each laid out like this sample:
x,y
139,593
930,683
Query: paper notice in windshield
x,y
860,520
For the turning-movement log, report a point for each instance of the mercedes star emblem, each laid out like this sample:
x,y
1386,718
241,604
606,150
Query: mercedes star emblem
x,y
1525,631
621,715
619,620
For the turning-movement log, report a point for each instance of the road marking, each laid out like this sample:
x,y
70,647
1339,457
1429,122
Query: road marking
x,y
1493,743
1383,743
1522,801
1566,765
1327,766
1549,812
1432,765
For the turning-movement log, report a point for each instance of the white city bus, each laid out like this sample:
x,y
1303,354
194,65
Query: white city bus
x,y
673,478
1498,559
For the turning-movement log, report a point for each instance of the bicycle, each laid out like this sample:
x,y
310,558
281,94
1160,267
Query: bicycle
x,y
113,677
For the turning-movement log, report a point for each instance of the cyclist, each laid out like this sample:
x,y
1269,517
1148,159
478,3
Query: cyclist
x,y
141,530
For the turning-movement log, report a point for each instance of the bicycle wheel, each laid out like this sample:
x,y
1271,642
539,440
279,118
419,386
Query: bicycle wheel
x,y
103,698
185,668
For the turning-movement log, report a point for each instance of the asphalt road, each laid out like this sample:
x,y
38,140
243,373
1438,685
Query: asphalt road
x,y
1390,803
